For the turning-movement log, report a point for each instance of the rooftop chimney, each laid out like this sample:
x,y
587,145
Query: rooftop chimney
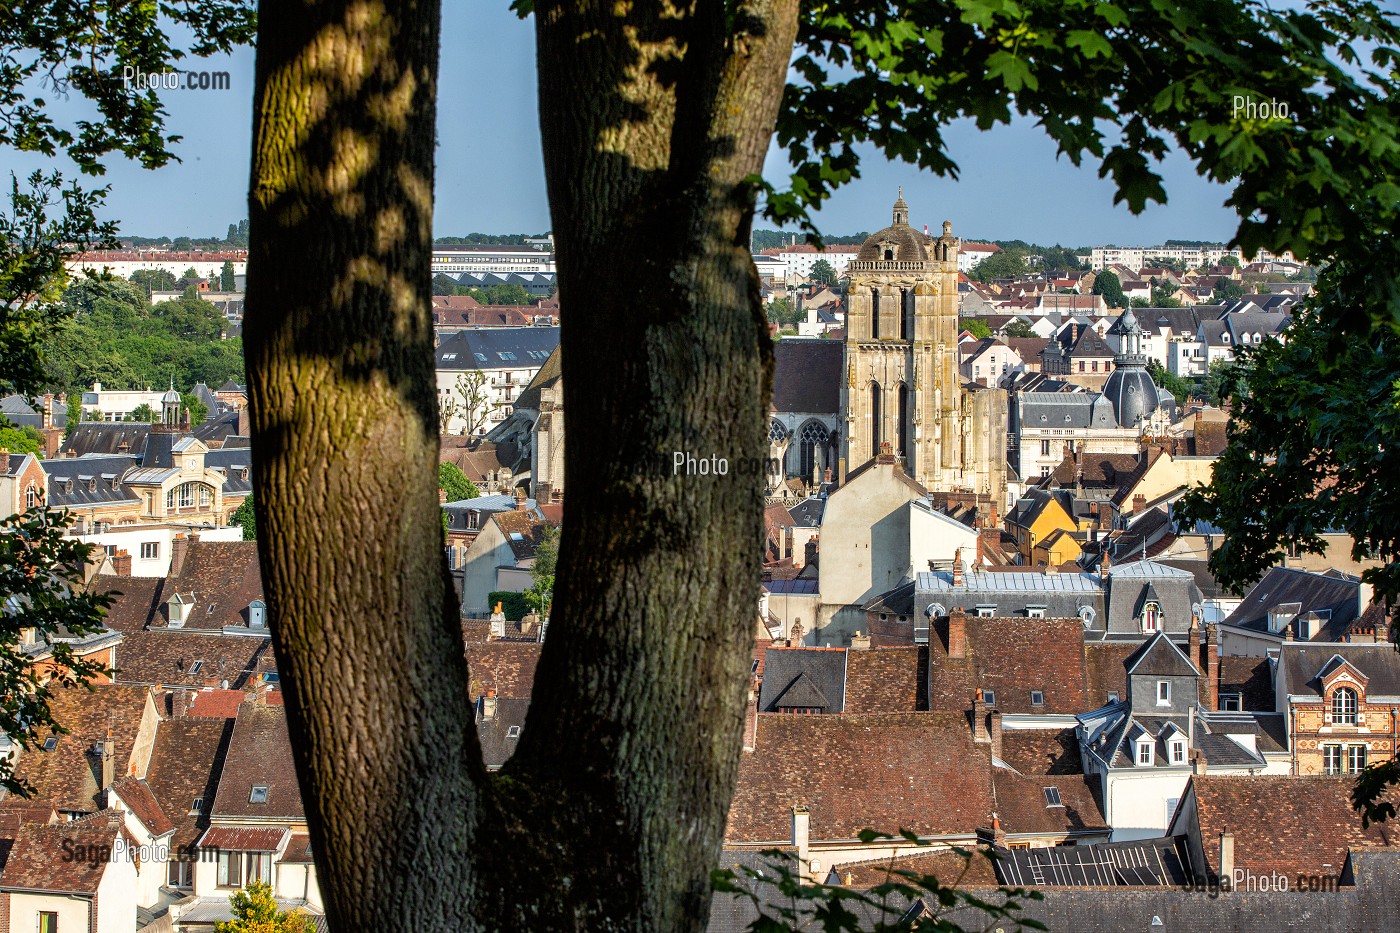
x,y
957,633
995,719
1227,858
979,718
488,705
1139,503
121,563
1213,665
958,568
802,835
178,549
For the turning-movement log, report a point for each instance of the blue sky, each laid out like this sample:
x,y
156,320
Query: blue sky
x,y
490,176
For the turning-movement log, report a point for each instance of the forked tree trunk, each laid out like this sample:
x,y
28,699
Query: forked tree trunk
x,y
610,815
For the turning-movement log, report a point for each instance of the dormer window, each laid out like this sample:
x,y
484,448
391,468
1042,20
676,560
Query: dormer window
x,y
1144,752
1151,617
197,806
1178,751
1344,707
257,614
1164,693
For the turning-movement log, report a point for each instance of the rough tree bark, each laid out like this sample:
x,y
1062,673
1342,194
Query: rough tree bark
x,y
610,815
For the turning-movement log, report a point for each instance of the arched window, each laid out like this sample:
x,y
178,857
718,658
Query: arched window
x,y
814,441
903,427
1086,615
1151,617
889,255
936,611
31,497
188,496
875,415
875,313
776,432
1344,707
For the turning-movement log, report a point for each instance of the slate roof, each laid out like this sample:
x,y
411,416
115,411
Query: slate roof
x,y
69,777
808,512
1313,592
1141,862
919,771
1175,592
500,734
807,375
803,677
1301,662
1013,592
1010,656
260,753
503,666
497,348
102,437
1310,836
1158,657
551,372
167,658
17,410
1065,410
185,763
88,481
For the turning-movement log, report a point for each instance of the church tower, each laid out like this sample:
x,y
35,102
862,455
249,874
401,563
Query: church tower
x,y
901,394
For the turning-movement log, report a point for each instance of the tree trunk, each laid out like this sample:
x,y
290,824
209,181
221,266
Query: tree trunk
x,y
610,815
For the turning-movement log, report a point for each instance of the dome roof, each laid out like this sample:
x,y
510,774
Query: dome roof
x,y
1132,393
900,241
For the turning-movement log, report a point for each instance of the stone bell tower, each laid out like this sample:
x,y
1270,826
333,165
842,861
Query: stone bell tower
x,y
900,383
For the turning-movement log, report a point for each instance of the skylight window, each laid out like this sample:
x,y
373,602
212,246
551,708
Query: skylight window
x,y
50,743
259,794
449,356
513,732
480,357
1037,698
1052,797
197,806
196,666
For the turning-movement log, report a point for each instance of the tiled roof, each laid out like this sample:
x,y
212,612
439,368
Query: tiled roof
x,y
946,865
224,704
506,667
497,348
260,754
1105,671
1309,836
886,680
1095,469
523,530
137,599
1011,656
807,375
1158,657
243,839
69,776
500,734
224,577
168,658
1250,678
1023,807
136,794
917,771
40,861
1041,751
185,765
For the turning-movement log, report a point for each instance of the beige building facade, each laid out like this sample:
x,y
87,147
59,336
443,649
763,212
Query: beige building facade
x,y
902,391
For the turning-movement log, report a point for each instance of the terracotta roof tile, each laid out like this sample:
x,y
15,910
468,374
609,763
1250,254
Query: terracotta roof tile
x,y
243,838
259,755
168,658
69,776
1250,678
1012,656
916,771
976,870
136,599
507,667
185,765
136,794
1023,808
39,860
223,576
884,680
1309,836
1041,751
1105,671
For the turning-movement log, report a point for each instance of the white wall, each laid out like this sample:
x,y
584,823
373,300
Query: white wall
x,y
72,912
116,896
129,538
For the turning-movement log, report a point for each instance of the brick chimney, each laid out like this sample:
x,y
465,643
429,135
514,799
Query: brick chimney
x,y
520,500
1193,639
1104,568
957,568
996,733
178,549
979,718
1213,665
957,634
1139,503
46,411
121,563
488,705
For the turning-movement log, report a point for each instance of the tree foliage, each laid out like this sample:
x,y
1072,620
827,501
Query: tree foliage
x,y
1106,283
541,592
1019,328
822,273
1227,290
109,333
256,911
19,440
976,327
245,517
454,482
1181,389
1004,265
41,592
154,280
